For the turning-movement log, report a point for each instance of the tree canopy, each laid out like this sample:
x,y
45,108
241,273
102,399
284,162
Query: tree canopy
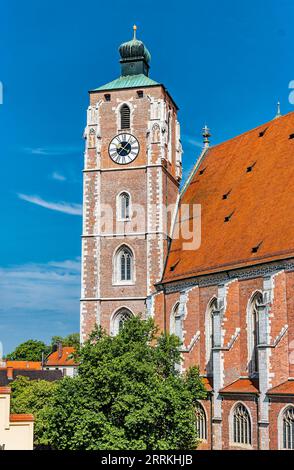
x,y
72,339
34,396
30,350
128,395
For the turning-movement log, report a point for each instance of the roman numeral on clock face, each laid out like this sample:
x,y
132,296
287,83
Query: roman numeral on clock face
x,y
123,148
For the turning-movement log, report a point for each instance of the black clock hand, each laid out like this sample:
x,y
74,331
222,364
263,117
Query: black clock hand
x,y
124,147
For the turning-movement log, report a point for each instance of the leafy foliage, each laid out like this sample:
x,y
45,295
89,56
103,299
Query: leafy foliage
x,y
36,397
128,395
30,350
72,339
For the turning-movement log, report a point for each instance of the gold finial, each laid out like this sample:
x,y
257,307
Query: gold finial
x,y
135,30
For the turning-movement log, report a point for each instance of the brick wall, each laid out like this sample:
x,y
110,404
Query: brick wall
x,y
151,180
238,294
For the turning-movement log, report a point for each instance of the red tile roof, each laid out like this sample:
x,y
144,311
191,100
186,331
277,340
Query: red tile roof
x,y
242,385
246,179
55,360
21,417
5,390
24,365
285,388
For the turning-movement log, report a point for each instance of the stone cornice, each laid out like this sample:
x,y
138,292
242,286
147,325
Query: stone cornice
x,y
261,270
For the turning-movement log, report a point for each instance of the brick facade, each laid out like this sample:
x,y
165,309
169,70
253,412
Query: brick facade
x,y
234,331
241,257
151,180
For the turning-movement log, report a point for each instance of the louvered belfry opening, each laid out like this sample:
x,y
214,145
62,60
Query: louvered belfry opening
x,y
125,117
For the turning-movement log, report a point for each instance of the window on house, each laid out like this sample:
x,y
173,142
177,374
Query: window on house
x,y
124,265
288,429
107,97
241,425
201,424
124,206
140,93
119,320
125,117
209,336
253,334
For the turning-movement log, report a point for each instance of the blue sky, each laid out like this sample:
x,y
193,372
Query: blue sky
x,y
225,63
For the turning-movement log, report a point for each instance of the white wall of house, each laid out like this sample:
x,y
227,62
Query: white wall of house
x,y
16,435
68,371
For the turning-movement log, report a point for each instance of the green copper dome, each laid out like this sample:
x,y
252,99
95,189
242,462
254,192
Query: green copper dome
x,y
135,57
134,49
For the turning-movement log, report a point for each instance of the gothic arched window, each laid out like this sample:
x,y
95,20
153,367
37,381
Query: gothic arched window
x,y
124,206
201,424
176,322
209,336
119,320
288,429
124,265
125,117
253,333
241,425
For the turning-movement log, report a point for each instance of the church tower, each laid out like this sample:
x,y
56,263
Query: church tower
x,y
131,183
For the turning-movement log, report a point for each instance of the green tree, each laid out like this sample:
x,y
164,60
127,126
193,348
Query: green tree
x,y
30,350
72,339
34,397
128,395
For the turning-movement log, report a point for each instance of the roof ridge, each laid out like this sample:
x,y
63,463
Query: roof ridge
x,y
274,120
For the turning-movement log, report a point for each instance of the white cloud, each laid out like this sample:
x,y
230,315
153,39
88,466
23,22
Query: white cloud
x,y
58,176
71,265
39,300
191,141
53,150
65,207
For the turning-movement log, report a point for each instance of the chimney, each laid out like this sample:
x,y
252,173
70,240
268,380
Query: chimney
x,y
59,349
10,373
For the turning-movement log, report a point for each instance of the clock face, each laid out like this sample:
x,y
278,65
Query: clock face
x,y
123,149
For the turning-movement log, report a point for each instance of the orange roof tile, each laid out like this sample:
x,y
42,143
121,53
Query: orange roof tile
x,y
24,365
54,360
5,390
242,385
21,417
247,180
285,388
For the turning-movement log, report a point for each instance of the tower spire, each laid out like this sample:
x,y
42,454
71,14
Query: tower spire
x,y
135,56
206,134
278,110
